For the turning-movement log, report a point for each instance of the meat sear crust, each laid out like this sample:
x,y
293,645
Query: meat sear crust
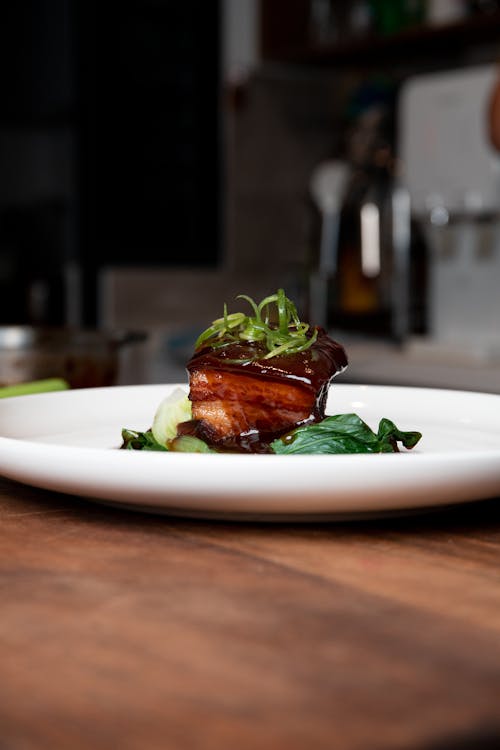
x,y
243,401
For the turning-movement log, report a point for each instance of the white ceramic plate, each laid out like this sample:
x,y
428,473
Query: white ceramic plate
x,y
68,441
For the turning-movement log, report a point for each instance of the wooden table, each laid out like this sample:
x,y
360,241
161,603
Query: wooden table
x,y
123,630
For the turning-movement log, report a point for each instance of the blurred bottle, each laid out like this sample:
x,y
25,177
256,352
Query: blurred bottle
x,y
362,300
327,187
350,274
362,303
368,276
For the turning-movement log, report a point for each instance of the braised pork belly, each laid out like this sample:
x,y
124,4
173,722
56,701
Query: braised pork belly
x,y
242,399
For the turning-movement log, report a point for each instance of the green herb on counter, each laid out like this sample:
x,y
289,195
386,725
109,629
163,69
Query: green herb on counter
x,y
36,386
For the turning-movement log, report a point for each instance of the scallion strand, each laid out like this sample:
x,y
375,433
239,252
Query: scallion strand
x,y
288,336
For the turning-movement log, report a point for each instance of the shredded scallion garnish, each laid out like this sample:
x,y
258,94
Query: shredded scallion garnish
x,y
288,335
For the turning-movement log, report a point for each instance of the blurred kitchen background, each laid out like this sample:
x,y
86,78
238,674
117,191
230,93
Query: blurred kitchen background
x,y
159,157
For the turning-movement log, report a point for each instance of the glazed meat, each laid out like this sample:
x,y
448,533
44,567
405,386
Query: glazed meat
x,y
242,400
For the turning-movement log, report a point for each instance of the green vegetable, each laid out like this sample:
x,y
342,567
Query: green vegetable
x,y
140,441
344,433
174,409
189,444
162,436
36,386
288,335
145,441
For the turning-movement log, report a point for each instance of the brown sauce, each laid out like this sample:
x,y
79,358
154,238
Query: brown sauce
x,y
307,374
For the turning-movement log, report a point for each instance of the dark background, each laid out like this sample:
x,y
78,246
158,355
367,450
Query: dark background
x,y
109,147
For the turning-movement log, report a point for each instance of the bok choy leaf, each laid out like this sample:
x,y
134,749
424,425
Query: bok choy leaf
x,y
344,433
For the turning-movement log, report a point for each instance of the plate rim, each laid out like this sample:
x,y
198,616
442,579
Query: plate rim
x,y
22,447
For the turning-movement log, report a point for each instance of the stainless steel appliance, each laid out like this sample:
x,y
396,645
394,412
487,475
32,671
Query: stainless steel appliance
x,y
452,174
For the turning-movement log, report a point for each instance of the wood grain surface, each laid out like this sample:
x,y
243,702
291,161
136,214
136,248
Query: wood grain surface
x,y
126,630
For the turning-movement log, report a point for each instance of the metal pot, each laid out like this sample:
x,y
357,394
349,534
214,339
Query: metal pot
x,y
84,358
